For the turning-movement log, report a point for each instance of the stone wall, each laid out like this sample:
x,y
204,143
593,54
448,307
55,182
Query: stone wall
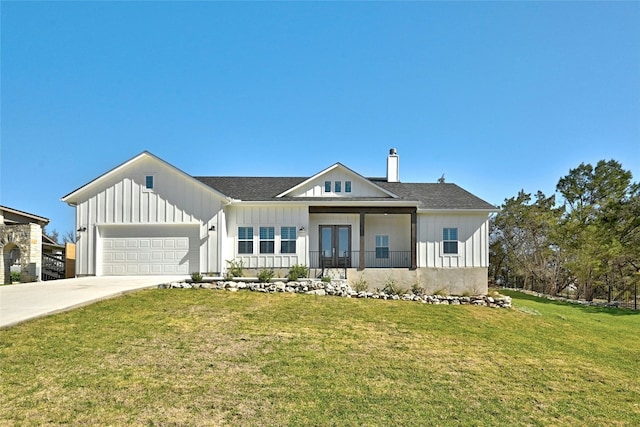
x,y
28,239
446,281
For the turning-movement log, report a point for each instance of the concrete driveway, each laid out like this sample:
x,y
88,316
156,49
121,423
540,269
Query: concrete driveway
x,y
27,301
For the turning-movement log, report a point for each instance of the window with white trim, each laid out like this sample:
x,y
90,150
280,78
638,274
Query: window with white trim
x,y
267,240
347,186
287,240
245,240
327,186
337,186
450,241
149,182
382,246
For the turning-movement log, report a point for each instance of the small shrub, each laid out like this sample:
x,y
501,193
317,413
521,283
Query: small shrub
x,y
15,276
326,279
297,271
234,269
417,288
442,292
265,275
391,287
360,285
196,277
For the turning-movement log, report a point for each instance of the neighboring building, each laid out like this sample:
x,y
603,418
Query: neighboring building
x,y
25,249
148,217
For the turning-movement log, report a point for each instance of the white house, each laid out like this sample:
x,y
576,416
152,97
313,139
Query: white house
x,y
148,217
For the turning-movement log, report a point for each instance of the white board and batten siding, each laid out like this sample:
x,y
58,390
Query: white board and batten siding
x,y
267,216
473,248
359,186
121,200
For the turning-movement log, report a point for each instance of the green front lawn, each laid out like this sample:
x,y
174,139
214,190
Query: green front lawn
x,y
201,357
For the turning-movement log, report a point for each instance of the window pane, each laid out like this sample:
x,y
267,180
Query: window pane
x,y
382,252
288,247
267,232
450,234
149,182
338,186
266,247
382,240
245,247
245,233
450,247
327,186
347,186
288,233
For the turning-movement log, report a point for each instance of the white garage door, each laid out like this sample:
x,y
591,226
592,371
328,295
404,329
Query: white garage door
x,y
149,250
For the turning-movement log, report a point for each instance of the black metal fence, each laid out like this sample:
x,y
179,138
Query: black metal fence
x,y
604,295
372,259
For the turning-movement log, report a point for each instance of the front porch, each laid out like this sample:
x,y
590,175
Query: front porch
x,y
385,237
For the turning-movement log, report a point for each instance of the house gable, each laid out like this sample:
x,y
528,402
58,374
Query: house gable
x,y
135,174
337,181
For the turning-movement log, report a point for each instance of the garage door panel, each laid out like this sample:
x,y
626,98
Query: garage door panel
x,y
148,252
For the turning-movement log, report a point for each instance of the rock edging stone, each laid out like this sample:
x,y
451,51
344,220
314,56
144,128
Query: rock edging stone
x,y
342,289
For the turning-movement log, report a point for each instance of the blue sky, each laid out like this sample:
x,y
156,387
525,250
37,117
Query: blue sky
x,y
498,96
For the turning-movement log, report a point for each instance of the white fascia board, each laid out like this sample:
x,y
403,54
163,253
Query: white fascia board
x,y
71,198
458,211
329,169
374,203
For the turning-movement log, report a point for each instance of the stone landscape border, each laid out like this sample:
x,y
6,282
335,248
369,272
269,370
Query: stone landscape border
x,y
341,288
602,304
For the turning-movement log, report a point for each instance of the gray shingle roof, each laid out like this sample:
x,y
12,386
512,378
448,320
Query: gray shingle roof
x,y
427,195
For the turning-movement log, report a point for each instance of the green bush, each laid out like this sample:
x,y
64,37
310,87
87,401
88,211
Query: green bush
x,y
265,275
360,285
196,277
234,269
298,271
391,287
326,279
417,289
15,276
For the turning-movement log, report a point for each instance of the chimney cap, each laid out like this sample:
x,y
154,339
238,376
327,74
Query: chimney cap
x,y
393,151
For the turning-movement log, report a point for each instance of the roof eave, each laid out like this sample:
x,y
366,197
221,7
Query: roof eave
x,y
71,198
325,202
459,210
330,168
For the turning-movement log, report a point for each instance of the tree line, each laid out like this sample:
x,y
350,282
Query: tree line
x,y
585,239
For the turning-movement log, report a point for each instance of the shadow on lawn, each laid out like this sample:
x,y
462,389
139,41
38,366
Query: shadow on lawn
x,y
585,308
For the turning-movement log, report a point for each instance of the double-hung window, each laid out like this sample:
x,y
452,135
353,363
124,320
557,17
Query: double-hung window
x,y
245,240
288,240
450,241
337,186
267,240
327,186
347,186
382,246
